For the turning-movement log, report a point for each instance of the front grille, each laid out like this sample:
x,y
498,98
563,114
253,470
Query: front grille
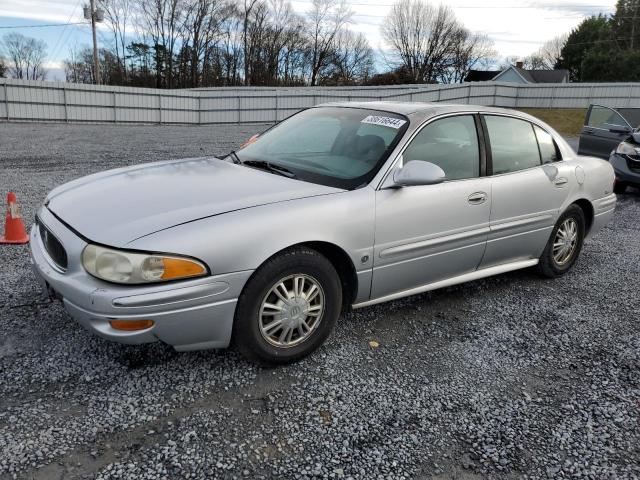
x,y
633,164
53,246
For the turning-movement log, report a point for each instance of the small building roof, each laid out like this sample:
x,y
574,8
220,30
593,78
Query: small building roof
x,y
529,76
481,75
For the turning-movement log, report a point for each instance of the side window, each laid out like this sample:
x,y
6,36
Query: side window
x,y
603,117
450,143
513,144
548,149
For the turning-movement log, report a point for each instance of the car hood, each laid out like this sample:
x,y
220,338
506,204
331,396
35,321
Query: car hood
x,y
118,206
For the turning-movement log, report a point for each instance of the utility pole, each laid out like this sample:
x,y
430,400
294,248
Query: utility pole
x,y
96,16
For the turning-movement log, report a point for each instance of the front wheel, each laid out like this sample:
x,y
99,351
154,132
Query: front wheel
x,y
565,243
288,307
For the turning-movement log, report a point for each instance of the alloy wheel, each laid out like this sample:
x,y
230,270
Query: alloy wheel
x,y
564,245
291,310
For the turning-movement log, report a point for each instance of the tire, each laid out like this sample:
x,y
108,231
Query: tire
x,y
619,187
315,318
552,266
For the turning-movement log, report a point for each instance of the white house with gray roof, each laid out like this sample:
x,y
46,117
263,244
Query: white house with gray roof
x,y
517,74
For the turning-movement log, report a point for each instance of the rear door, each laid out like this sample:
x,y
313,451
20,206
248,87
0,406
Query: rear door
x,y
529,183
603,130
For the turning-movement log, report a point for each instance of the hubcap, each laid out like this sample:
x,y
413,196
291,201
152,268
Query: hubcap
x,y
291,311
565,242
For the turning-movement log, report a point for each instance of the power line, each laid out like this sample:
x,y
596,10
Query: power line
x,y
43,26
60,42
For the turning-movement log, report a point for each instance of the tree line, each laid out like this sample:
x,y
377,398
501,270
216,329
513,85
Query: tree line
x,y
204,43
208,43
605,48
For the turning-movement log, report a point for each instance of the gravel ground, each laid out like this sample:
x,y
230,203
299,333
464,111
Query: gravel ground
x,y
508,377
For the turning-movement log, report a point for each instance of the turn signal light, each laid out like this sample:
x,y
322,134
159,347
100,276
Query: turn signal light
x,y
131,325
179,268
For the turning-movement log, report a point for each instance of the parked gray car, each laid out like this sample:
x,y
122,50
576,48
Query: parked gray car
x,y
342,205
612,134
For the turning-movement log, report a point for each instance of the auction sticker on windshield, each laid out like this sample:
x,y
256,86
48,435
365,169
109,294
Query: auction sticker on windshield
x,y
384,121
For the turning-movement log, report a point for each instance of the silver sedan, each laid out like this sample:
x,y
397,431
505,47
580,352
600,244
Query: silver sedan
x,y
340,206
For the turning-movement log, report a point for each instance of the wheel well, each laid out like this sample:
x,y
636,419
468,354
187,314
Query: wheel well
x,y
343,265
587,208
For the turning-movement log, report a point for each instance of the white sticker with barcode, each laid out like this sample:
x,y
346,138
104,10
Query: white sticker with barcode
x,y
384,121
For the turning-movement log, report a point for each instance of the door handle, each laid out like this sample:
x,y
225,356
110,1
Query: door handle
x,y
560,181
477,198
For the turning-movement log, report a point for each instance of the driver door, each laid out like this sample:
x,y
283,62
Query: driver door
x,y
428,233
603,131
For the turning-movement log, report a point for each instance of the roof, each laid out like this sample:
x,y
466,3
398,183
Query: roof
x,y
421,109
538,76
549,76
481,75
402,108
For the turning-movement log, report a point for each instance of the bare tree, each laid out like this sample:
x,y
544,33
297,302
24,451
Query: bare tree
x,y
3,68
228,56
249,6
26,56
352,58
74,67
422,36
162,21
204,20
117,16
327,18
549,54
469,51
283,23
79,67
545,58
294,60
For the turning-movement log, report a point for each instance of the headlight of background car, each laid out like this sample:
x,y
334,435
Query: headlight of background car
x,y
626,148
134,268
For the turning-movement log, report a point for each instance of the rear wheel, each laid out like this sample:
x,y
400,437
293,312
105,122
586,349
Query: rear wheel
x,y
565,243
288,307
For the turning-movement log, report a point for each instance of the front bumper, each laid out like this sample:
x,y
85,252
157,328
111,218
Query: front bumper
x,y
189,315
623,172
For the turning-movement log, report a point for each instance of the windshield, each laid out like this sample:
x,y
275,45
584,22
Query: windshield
x,y
334,146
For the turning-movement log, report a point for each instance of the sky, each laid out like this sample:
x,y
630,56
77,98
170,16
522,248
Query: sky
x,y
517,27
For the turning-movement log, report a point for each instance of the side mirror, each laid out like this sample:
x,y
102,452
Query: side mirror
x,y
619,129
417,172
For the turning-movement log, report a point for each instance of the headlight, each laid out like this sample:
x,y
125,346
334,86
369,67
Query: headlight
x,y
626,148
120,266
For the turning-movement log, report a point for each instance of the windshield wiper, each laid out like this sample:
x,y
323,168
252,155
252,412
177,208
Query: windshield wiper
x,y
271,167
234,157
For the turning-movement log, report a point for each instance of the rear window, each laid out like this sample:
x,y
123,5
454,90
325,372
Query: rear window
x,y
631,115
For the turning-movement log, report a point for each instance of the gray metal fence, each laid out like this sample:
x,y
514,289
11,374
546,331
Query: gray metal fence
x,y
36,101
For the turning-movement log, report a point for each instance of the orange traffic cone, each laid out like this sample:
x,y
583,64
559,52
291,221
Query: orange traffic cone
x,y
14,231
